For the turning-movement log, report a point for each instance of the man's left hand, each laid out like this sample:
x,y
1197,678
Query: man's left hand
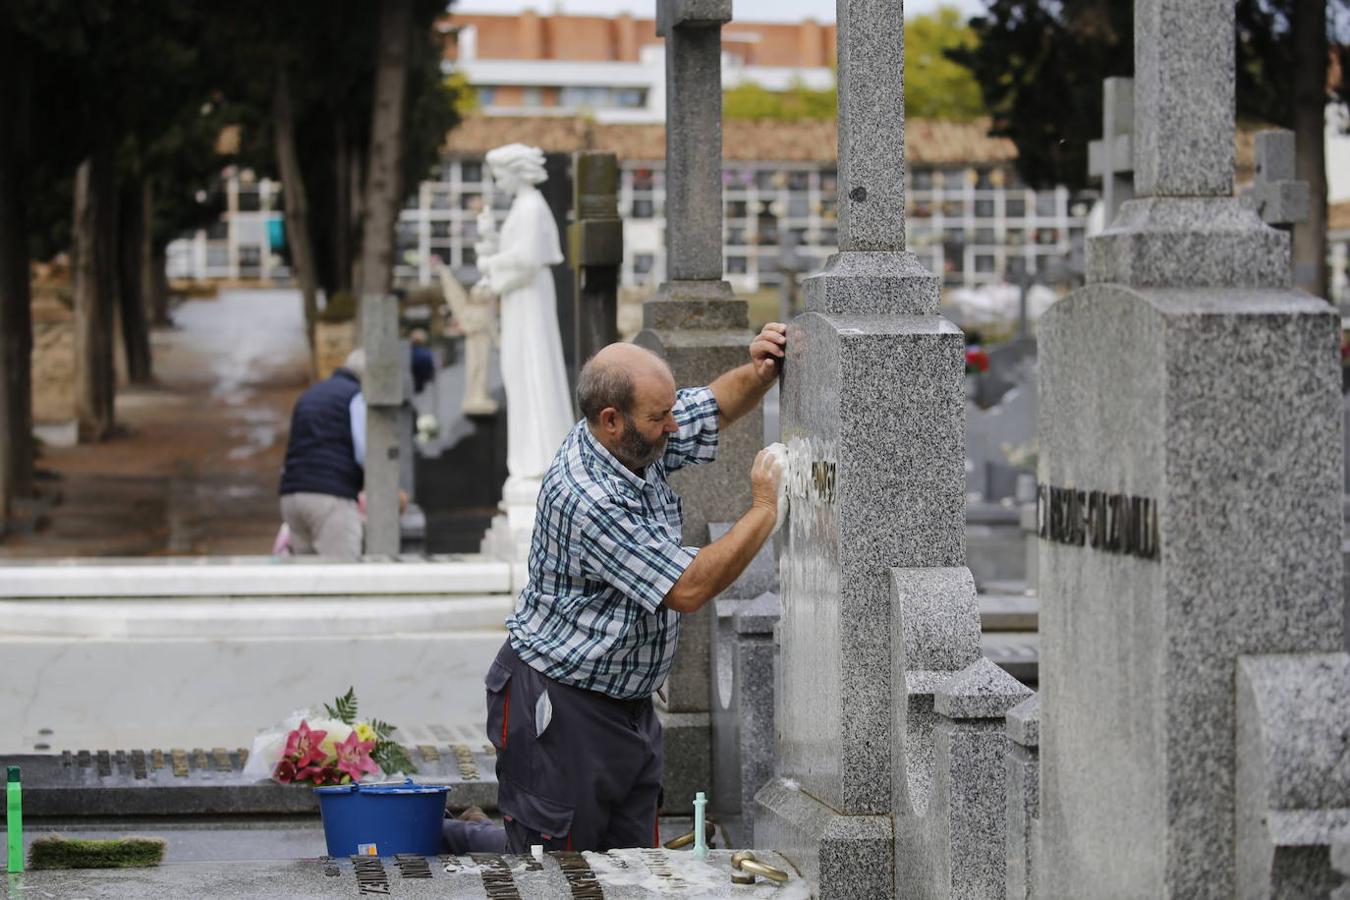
x,y
767,351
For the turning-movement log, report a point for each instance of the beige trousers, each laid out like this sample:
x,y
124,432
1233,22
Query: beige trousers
x,y
323,524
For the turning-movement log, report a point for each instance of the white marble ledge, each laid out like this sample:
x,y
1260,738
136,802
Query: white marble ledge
x,y
254,577
279,617
94,694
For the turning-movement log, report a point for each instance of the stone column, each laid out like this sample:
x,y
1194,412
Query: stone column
x,y
382,387
701,329
595,250
873,409
558,191
1190,484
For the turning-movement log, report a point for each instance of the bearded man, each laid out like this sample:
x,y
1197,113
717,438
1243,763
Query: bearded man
x,y
593,635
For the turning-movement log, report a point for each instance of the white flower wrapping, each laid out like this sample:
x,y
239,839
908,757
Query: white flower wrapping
x,y
269,745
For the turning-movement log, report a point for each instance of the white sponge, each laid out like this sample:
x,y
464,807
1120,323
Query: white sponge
x,y
778,452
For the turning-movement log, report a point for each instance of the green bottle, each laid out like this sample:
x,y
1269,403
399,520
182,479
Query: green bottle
x,y
14,820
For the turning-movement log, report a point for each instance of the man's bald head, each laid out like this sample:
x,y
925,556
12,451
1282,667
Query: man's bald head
x,y
611,378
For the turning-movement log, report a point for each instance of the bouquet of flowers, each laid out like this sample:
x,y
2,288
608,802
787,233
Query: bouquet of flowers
x,y
977,360
328,747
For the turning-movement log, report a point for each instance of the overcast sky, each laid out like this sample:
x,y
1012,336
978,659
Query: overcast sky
x,y
744,10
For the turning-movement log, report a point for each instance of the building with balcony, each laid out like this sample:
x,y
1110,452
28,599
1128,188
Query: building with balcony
x,y
613,69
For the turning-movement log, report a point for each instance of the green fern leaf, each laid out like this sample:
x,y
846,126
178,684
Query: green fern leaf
x,y
343,708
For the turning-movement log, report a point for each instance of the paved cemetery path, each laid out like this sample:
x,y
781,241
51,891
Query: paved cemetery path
x,y
193,467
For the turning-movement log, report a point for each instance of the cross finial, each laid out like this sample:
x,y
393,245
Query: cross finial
x,y
1112,158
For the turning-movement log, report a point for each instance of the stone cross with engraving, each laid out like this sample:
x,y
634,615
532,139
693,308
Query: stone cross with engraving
x,y
1189,518
882,686
1112,158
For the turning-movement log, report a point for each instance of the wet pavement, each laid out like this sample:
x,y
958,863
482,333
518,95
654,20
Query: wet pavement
x,y
193,466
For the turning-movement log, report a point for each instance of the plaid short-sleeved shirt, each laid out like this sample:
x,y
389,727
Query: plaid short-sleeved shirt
x,y
604,554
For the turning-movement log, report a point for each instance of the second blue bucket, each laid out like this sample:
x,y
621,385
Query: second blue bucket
x,y
382,819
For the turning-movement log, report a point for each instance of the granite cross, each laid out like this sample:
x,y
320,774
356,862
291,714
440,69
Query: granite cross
x,y
693,33
383,389
595,249
1112,158
1277,196
1185,229
879,617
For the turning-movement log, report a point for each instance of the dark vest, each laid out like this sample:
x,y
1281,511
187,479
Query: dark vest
x,y
319,455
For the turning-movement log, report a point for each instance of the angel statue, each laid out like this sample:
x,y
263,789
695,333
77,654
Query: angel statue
x,y
515,266
476,313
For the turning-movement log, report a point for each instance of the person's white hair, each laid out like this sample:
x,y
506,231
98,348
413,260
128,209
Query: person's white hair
x,y
521,160
356,362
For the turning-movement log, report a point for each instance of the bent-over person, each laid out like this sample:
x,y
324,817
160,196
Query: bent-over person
x,y
594,632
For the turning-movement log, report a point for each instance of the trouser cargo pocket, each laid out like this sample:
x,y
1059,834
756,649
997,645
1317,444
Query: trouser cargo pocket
x,y
532,819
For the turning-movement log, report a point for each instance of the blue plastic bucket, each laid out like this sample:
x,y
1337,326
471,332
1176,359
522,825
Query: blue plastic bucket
x,y
382,819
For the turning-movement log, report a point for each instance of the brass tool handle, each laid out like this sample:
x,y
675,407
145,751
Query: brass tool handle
x,y
684,840
756,867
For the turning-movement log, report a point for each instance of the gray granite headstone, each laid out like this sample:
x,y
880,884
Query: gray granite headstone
x,y
383,389
1189,468
701,329
743,710
873,413
1293,775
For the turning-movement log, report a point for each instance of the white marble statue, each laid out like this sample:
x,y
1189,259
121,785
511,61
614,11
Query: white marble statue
x,y
475,312
515,265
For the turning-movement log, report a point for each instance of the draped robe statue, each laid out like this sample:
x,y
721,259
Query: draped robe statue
x,y
515,265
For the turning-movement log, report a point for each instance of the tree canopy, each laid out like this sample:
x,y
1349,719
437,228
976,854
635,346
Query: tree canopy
x,y
936,86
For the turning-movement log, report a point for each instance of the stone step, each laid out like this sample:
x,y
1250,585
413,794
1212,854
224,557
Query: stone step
x,y
254,576
632,874
1008,612
1016,652
210,618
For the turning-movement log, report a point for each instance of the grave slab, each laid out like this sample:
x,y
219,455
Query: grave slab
x,y
618,875
196,781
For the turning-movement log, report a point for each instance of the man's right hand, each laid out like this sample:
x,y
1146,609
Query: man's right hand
x,y
765,476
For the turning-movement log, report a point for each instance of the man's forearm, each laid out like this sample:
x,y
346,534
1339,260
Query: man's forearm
x,y
738,391
720,563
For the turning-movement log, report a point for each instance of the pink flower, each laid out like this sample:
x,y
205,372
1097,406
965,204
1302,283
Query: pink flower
x,y
285,772
302,745
353,756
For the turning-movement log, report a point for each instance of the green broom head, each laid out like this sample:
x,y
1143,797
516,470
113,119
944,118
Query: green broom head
x,y
56,852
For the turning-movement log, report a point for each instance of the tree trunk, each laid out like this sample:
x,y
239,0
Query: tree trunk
x,y
1310,102
95,290
355,181
342,226
159,285
155,311
16,322
131,296
384,165
293,193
